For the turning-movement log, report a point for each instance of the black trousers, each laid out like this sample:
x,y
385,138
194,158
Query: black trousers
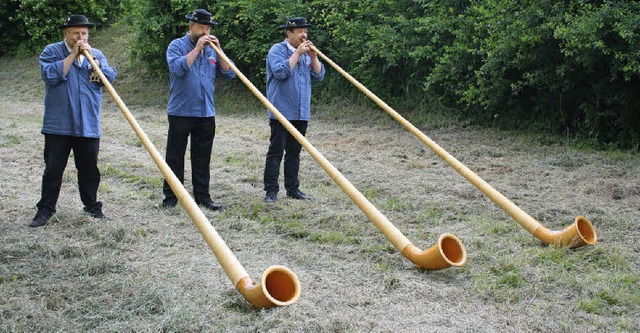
x,y
282,142
202,132
57,149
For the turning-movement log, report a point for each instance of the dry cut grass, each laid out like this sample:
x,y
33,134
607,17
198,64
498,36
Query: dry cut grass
x,y
145,268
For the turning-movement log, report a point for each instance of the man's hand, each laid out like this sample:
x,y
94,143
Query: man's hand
x,y
303,47
80,47
204,41
311,52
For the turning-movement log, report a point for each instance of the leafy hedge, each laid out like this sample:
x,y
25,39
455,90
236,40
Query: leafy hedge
x,y
244,26
26,26
11,35
569,67
157,23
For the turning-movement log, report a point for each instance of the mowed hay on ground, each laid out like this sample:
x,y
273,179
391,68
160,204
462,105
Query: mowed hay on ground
x,y
145,268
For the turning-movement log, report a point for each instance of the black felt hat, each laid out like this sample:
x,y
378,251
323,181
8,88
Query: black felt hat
x,y
76,21
201,16
296,22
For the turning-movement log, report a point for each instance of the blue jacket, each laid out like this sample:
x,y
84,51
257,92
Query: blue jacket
x,y
192,89
71,102
290,90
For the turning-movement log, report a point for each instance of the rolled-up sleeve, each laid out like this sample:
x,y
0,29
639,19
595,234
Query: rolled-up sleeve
x,y
177,59
278,59
320,76
51,69
228,74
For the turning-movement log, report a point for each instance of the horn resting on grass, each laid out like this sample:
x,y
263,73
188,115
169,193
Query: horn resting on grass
x,y
278,286
580,233
449,250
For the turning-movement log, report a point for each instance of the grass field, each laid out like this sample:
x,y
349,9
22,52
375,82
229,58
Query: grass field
x,y
145,268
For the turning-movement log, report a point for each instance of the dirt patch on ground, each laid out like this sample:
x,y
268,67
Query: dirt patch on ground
x,y
145,268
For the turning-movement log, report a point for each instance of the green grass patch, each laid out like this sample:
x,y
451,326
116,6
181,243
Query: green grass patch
x,y
431,215
330,237
396,204
11,277
385,247
235,160
370,192
141,181
291,227
8,141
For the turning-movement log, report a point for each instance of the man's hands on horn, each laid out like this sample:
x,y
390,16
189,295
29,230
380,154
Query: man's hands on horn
x,y
79,47
304,47
204,41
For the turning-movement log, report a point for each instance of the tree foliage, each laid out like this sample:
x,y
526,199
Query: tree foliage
x,y
26,26
569,67
157,23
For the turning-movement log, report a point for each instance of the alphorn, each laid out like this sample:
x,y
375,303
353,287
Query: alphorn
x,y
580,233
448,251
278,286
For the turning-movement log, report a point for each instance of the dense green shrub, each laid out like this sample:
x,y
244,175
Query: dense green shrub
x,y
567,67
379,42
248,28
601,69
11,34
157,23
29,25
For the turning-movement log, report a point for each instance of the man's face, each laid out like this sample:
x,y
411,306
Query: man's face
x,y
75,34
296,36
197,30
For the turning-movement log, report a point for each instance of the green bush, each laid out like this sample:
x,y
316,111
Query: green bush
x,y
246,30
564,67
156,24
568,67
601,69
379,42
11,34
29,25
249,28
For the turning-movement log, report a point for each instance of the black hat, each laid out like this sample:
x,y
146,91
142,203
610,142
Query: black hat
x,y
296,22
201,16
76,21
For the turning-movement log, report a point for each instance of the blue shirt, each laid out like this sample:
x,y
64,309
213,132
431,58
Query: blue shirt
x,y
289,90
191,89
71,102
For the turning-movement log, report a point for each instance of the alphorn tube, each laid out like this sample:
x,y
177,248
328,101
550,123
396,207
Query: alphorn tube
x,y
278,286
580,233
448,251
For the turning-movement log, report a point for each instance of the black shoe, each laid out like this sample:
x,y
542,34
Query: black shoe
x,y
95,212
271,197
39,220
297,194
169,203
210,205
